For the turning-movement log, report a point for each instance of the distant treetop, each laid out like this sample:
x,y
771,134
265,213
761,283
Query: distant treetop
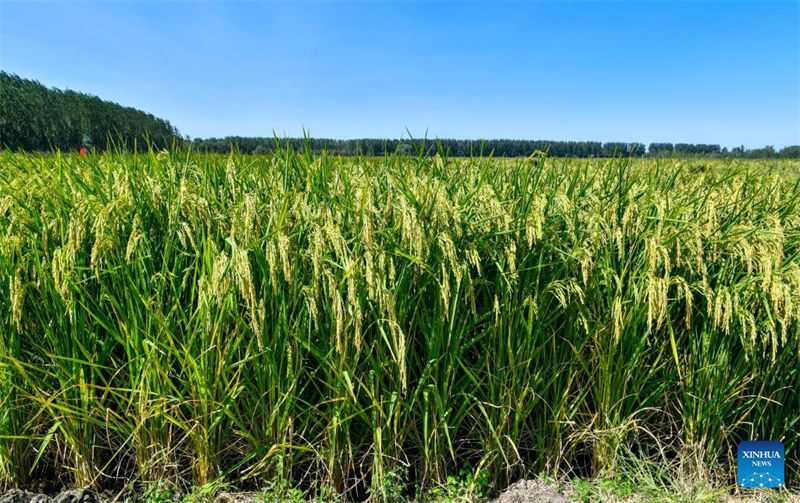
x,y
497,148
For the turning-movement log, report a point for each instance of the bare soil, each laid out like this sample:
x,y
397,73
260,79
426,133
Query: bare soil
x,y
534,491
524,491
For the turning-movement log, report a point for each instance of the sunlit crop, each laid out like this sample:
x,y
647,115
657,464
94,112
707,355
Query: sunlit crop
x,y
304,319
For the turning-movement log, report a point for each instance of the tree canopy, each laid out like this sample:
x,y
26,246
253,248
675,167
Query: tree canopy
x,y
35,117
498,148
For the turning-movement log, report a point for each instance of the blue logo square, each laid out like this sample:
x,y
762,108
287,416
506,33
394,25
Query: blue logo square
x,y
760,463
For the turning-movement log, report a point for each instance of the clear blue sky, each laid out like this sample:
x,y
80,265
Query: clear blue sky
x,y
680,71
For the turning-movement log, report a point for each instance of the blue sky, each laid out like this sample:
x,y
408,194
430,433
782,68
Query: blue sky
x,y
683,71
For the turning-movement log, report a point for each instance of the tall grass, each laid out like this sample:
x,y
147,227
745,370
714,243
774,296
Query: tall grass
x,y
315,321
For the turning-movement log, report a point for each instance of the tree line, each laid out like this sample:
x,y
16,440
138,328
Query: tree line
x,y
35,117
498,148
458,148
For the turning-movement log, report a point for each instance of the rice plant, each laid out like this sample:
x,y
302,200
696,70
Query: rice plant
x,y
327,323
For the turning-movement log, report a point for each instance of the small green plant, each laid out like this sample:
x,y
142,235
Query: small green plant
x,y
277,494
583,490
611,489
465,488
394,486
205,493
323,492
160,492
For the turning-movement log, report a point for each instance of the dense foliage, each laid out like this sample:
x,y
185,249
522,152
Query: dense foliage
x,y
497,148
456,148
344,322
34,117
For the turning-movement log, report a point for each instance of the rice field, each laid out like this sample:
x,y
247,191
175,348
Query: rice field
x,y
348,326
